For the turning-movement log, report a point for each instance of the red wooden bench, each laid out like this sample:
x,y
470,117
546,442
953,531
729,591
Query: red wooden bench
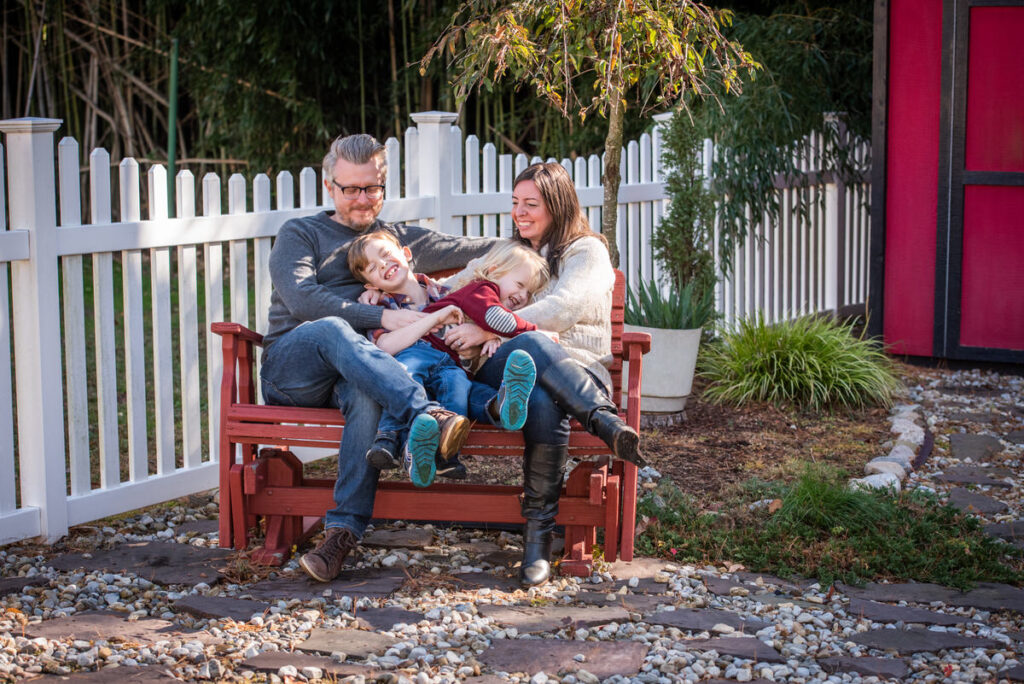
x,y
269,482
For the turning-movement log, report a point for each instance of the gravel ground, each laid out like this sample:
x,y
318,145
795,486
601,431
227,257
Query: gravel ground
x,y
803,626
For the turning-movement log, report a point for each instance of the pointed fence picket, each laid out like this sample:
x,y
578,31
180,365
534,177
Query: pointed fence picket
x,y
134,355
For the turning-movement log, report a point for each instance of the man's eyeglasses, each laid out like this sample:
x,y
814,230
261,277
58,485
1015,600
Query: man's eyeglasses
x,y
352,191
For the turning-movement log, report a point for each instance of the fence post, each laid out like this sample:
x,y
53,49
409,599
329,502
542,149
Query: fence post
x,y
435,167
33,207
835,215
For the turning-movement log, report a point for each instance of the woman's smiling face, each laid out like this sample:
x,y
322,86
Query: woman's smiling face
x,y
530,213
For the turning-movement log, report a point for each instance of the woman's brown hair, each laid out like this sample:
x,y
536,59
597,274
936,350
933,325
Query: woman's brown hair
x,y
568,223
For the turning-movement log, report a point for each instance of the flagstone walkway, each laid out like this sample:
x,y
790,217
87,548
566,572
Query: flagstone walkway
x,y
156,600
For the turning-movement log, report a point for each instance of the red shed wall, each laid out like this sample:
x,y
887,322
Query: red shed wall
x,y
915,63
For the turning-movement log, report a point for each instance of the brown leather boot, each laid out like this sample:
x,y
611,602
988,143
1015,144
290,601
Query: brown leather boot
x,y
454,430
324,562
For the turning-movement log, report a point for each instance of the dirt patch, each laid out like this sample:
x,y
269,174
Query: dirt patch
x,y
720,446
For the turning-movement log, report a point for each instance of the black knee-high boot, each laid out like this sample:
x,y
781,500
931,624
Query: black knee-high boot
x,y
542,485
581,397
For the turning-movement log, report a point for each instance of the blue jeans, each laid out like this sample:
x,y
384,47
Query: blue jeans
x,y
444,380
327,363
546,422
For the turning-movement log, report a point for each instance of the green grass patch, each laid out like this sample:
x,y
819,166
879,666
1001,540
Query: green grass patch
x,y
809,362
816,527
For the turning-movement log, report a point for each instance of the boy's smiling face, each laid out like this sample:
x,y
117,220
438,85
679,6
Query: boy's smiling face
x,y
387,266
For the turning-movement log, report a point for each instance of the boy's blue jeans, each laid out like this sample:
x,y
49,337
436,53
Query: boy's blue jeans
x,y
441,377
327,363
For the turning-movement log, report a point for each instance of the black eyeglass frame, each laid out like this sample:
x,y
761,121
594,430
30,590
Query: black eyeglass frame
x,y
346,190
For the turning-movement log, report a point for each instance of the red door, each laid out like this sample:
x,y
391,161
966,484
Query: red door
x,y
979,287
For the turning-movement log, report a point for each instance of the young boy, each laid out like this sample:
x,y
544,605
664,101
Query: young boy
x,y
509,275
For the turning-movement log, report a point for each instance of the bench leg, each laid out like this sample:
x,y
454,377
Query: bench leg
x,y
279,468
579,539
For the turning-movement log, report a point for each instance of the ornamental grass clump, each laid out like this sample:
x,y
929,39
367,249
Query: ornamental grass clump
x,y
808,362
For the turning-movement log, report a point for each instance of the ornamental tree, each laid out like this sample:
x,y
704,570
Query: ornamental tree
x,y
595,56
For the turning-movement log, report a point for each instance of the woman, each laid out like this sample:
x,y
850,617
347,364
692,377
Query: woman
x,y
572,377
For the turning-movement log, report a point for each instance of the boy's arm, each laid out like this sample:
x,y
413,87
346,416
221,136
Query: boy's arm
x,y
403,338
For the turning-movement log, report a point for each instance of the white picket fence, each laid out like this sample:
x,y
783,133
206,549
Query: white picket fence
x,y
115,375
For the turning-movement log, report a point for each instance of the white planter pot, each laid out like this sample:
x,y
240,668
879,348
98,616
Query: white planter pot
x,y
667,369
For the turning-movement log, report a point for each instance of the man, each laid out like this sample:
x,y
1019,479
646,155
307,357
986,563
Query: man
x,y
314,351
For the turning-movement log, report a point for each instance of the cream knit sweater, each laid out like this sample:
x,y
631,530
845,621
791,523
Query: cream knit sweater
x,y
577,305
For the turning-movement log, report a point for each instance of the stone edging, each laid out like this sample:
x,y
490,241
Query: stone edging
x,y
889,471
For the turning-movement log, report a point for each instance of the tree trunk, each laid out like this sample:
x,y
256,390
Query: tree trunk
x,y
611,178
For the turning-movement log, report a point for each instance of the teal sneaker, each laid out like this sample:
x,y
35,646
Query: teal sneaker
x,y
420,448
510,406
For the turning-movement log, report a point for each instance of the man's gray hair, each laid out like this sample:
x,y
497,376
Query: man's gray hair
x,y
359,148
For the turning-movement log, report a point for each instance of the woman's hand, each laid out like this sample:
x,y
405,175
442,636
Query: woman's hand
x,y
370,295
490,346
467,335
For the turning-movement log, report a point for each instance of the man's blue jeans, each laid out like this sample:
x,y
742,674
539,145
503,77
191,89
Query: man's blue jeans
x,y
444,380
546,422
327,363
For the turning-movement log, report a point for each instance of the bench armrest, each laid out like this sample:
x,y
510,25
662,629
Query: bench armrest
x,y
634,346
238,330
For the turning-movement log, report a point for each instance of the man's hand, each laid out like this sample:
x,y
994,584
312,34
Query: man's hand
x,y
393,319
467,335
370,295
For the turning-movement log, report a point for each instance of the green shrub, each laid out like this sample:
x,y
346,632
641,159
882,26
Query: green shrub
x,y
808,362
682,309
820,528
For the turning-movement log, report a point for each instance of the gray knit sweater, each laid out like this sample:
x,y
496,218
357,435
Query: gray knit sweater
x,y
310,276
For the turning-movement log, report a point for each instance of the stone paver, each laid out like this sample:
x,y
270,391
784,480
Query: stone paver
x,y
349,583
639,567
975,502
644,585
991,596
354,643
1010,531
973,417
131,674
111,627
1015,437
272,662
221,607
386,618
480,580
533,619
551,656
977,448
640,603
160,562
198,526
406,538
1014,674
722,586
883,612
14,585
885,668
916,592
500,559
705,620
796,586
750,648
977,475
916,640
